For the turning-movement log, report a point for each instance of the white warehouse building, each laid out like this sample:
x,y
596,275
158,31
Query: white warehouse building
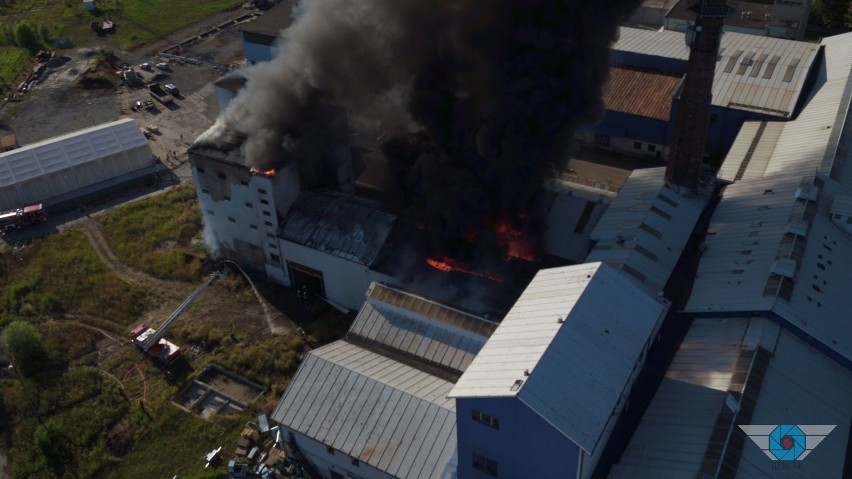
x,y
61,168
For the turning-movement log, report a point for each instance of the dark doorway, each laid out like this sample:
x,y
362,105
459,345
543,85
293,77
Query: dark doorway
x,y
303,276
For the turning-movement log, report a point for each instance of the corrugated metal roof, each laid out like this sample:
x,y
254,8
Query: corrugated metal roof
x,y
577,370
751,151
343,225
821,301
645,229
641,93
67,151
741,243
393,417
433,333
745,240
750,83
810,141
273,20
672,437
802,386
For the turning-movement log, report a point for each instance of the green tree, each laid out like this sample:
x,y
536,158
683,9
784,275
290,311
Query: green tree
x,y
24,344
44,34
54,446
26,37
832,13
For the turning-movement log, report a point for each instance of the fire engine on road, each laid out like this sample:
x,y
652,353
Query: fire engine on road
x,y
21,217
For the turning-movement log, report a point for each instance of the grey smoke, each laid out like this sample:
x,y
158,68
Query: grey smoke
x,y
490,92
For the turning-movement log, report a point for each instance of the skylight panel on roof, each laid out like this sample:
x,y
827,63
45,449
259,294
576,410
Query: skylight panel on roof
x,y
770,69
758,64
733,61
746,61
791,68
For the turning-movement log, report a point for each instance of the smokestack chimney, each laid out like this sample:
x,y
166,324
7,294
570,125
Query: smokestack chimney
x,y
693,115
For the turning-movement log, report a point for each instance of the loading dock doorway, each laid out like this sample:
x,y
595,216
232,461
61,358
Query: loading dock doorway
x,y
303,276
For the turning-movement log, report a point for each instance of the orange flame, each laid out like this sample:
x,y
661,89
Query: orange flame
x,y
448,265
269,172
513,242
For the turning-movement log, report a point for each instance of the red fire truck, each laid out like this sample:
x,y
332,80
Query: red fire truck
x,y
21,217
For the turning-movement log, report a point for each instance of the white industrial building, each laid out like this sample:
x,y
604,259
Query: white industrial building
x,y
374,404
770,342
59,169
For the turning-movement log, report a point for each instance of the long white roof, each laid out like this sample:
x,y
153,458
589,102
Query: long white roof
x,y
389,415
67,151
380,395
672,437
644,230
754,73
810,142
802,386
741,243
797,385
759,214
575,372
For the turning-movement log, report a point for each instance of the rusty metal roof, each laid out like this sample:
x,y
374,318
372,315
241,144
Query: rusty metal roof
x,y
640,92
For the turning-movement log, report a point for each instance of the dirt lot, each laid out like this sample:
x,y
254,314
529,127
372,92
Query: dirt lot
x,y
59,105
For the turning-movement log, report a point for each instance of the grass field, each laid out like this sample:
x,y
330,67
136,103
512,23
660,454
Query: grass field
x,y
141,21
110,405
12,60
138,22
160,236
60,275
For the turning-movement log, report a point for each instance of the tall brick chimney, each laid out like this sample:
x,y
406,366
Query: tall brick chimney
x,y
693,115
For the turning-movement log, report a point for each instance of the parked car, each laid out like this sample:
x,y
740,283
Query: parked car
x,y
171,89
146,66
163,66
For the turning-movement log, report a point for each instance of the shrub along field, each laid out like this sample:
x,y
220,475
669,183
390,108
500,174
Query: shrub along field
x,y
82,401
12,60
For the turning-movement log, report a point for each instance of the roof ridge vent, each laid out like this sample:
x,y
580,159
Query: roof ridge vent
x,y
785,267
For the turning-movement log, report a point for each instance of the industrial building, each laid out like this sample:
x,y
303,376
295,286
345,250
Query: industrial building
x,y
375,404
764,304
542,396
779,19
259,36
756,79
59,171
769,342
731,371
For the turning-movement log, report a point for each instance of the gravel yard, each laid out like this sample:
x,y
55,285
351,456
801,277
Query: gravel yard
x,y
58,104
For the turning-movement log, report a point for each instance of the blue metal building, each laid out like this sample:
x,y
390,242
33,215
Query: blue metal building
x,y
542,396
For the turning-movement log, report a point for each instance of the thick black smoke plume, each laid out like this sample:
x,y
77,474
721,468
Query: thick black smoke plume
x,y
488,92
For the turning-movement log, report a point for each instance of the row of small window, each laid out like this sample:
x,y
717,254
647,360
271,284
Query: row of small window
x,y
248,205
840,217
485,464
486,419
233,220
637,145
